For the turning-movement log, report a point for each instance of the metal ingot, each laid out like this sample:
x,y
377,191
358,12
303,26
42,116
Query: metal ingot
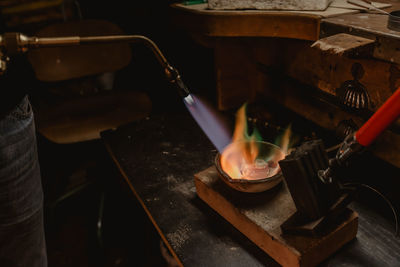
x,y
270,180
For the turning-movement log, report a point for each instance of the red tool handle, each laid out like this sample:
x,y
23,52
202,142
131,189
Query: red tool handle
x,y
383,117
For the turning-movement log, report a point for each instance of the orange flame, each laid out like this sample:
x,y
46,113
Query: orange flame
x,y
240,159
284,140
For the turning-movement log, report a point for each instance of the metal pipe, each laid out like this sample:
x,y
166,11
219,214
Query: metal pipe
x,y
12,43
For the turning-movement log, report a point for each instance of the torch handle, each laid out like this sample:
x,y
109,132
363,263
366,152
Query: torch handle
x,y
382,118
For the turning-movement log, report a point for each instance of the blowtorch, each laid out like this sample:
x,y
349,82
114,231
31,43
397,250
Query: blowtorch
x,y
13,43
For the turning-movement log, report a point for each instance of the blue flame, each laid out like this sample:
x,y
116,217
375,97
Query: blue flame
x,y
209,121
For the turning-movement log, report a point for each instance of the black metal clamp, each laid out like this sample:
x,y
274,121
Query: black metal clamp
x,y
318,203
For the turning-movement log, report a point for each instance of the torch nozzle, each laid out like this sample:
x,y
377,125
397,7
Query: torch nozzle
x,y
189,99
174,78
181,87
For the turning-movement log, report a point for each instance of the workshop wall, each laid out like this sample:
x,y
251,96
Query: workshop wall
x,y
152,19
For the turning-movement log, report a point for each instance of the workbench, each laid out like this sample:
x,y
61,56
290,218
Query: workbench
x,y
158,157
261,54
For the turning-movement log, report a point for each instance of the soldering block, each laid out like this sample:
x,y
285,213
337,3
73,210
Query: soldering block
x,y
311,5
260,215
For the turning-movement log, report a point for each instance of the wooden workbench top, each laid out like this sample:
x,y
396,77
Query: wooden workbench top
x,y
303,25
158,158
372,24
331,11
198,19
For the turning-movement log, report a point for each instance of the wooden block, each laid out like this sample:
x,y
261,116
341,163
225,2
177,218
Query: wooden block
x,y
259,216
345,44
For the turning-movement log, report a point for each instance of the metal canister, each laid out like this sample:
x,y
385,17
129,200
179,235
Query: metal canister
x,y
394,20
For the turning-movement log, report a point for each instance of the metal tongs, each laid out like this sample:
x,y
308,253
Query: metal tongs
x,y
363,137
356,142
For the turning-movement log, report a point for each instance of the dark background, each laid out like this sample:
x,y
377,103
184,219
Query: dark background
x,y
152,19
127,237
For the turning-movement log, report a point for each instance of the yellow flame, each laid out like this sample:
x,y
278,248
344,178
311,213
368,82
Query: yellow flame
x,y
284,143
240,126
244,149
